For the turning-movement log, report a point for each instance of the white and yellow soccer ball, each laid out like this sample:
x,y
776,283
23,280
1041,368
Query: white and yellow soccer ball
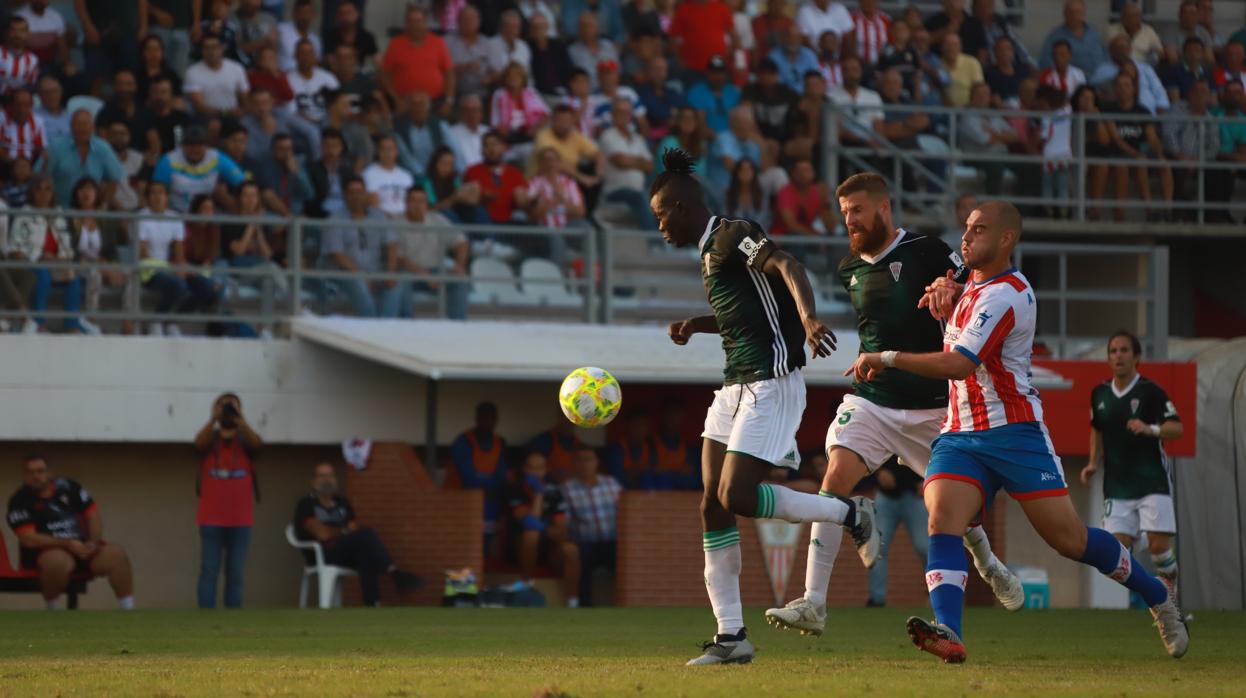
x,y
590,397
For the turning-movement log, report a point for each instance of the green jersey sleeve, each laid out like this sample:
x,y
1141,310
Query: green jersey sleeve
x,y
746,241
1159,408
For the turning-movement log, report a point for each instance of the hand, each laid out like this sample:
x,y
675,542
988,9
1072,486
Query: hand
x,y
885,479
680,332
866,367
819,337
1137,427
1088,473
941,296
79,549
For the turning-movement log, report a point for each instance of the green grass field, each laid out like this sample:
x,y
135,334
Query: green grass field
x,y
606,652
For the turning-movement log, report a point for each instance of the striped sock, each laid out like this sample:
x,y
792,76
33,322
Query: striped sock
x,y
824,542
722,578
947,572
1166,562
1106,554
779,502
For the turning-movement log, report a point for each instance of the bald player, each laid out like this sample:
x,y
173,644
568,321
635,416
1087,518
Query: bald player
x,y
994,438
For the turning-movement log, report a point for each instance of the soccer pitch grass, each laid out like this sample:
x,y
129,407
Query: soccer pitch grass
x,y
598,652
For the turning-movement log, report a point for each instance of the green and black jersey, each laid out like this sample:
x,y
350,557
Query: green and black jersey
x,y
885,291
1133,466
761,330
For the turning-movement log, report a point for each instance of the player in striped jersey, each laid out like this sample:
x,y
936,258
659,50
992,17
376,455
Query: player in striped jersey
x,y
899,413
994,437
18,66
764,311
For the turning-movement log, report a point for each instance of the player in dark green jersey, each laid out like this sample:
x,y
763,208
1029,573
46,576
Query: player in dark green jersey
x,y
898,413
764,312
1130,418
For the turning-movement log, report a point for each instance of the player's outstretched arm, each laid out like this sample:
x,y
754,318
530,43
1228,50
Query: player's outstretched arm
x,y
819,337
1096,456
682,330
941,296
948,365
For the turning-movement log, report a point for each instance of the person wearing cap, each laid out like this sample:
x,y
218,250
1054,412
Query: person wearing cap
x,y
703,30
194,168
792,59
601,104
715,96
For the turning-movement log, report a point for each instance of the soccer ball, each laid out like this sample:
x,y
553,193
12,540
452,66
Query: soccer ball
x,y
590,397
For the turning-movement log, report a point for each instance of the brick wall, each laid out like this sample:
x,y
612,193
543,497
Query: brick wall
x,y
661,563
427,530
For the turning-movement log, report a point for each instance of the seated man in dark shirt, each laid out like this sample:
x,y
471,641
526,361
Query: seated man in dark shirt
x,y
328,517
538,524
61,534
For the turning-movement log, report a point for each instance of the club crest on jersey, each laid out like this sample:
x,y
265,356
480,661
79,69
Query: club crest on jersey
x,y
751,248
895,269
1133,405
853,282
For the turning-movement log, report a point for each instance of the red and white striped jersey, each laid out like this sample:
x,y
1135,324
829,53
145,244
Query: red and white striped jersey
x,y
993,324
872,35
547,192
22,139
1072,79
17,70
832,73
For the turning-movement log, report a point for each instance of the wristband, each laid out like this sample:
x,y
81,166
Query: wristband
x,y
889,358
1155,429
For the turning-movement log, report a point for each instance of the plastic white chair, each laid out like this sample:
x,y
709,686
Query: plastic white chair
x,y
930,144
328,577
494,290
544,283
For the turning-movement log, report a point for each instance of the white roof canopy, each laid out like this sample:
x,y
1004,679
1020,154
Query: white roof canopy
x,y
536,351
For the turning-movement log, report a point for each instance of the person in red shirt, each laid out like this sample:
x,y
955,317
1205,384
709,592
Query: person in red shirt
x,y
800,204
227,489
503,187
417,61
703,29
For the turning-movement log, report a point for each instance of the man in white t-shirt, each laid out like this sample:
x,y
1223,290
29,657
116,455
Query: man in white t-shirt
x,y
860,99
309,82
818,16
297,30
466,136
508,46
385,181
161,243
216,84
628,163
46,30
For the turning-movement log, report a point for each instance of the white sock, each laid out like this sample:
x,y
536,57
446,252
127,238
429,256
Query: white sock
x,y
1166,562
722,578
779,502
980,548
126,603
824,541
53,604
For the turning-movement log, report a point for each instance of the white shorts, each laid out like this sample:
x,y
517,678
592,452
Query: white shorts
x,y
759,419
1153,513
877,433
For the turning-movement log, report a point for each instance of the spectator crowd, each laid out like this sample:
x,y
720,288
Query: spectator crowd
x,y
497,112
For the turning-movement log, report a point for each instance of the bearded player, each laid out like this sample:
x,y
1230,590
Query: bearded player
x,y
898,413
994,438
764,311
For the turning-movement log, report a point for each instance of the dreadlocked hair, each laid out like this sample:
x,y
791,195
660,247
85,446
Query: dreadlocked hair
x,y
678,166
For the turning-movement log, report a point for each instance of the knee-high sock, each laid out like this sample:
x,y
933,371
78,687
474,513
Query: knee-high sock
x,y
1166,562
980,547
947,571
779,502
824,541
1106,554
722,578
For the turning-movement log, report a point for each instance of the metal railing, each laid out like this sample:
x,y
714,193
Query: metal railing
x,y
916,186
627,275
